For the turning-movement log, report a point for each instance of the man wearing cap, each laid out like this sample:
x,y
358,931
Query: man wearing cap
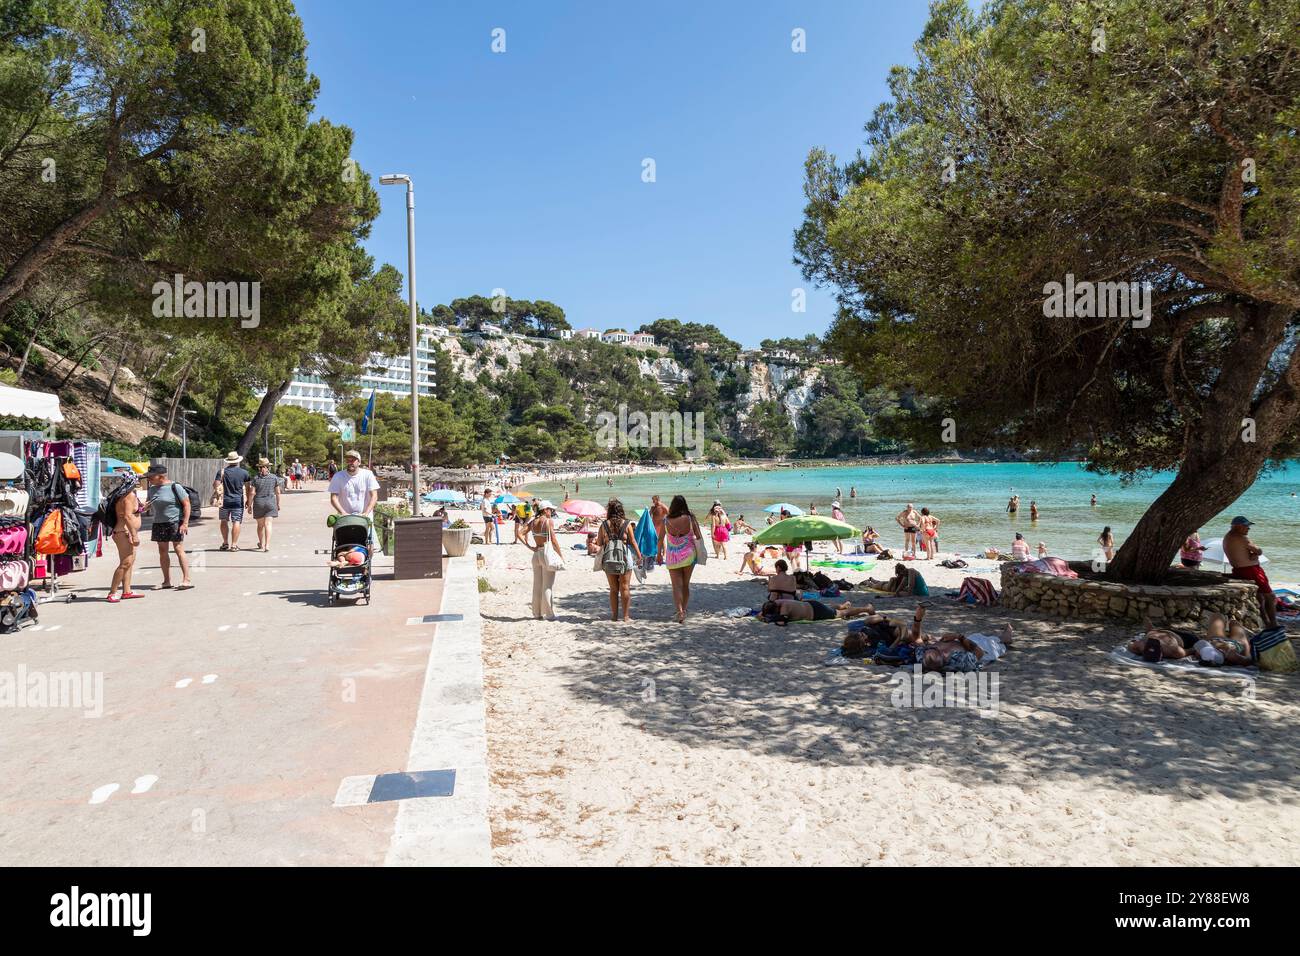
x,y
1244,556
354,490
170,506
230,484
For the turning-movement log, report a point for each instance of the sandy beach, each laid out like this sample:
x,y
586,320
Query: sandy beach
x,y
728,741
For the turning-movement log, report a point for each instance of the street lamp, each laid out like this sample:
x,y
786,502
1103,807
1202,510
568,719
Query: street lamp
x,y
185,436
394,179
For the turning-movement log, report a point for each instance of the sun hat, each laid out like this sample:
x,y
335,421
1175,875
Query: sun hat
x,y
234,458
353,453
1241,520
262,462
544,504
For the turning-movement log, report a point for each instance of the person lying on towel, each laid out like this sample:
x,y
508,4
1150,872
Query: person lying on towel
x,y
1231,642
956,652
784,611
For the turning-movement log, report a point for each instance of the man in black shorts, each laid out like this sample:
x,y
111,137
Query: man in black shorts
x,y
489,519
230,483
170,506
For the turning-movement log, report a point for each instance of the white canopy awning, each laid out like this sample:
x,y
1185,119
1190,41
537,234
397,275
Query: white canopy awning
x,y
25,404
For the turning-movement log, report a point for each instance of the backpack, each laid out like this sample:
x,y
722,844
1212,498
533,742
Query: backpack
x,y
106,514
613,556
822,581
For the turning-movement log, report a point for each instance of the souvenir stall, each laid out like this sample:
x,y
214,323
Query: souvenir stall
x,y
18,562
48,493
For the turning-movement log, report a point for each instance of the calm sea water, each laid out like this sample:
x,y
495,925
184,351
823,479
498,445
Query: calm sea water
x,y
970,500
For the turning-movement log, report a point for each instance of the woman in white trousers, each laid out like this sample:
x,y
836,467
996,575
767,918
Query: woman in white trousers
x,y
541,530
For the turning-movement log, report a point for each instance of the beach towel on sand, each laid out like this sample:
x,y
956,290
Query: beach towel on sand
x,y
977,591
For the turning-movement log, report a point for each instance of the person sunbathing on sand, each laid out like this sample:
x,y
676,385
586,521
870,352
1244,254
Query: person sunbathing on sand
x,y
1231,641
781,583
1174,645
784,611
905,582
751,561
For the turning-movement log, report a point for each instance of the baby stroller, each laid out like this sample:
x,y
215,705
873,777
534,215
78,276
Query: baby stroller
x,y
349,581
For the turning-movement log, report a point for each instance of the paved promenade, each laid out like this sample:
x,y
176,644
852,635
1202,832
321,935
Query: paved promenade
x,y
240,718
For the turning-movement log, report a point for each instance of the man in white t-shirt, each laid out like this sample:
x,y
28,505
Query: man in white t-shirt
x,y
354,490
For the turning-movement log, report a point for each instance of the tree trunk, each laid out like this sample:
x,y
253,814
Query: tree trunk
x,y
176,399
112,379
261,416
85,353
217,404
1219,463
48,246
22,366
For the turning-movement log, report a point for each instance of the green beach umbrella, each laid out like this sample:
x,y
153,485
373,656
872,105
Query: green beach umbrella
x,y
805,528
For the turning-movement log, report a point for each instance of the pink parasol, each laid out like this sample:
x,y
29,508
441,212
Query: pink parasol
x,y
583,508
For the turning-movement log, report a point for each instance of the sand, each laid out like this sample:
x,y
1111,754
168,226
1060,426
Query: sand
x,y
725,741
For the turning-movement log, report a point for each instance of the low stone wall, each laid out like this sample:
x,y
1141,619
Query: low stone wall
x,y
1087,597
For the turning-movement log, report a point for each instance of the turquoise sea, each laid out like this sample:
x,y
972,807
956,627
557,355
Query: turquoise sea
x,y
970,500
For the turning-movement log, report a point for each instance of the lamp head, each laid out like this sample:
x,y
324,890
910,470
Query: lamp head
x,y
392,179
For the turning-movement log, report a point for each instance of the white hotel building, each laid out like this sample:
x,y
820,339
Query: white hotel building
x,y
390,374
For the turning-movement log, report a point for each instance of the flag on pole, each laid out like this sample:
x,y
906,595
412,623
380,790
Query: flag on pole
x,y
370,412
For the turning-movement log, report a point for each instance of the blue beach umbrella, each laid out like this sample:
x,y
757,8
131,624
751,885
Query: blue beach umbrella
x,y
109,465
784,506
506,499
448,495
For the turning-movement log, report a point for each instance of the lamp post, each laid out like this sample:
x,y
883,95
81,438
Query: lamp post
x,y
185,434
393,179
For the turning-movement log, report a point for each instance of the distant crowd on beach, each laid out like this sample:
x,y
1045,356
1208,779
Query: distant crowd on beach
x,y
623,545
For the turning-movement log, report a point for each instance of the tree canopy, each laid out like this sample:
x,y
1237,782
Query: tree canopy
x,y
1148,142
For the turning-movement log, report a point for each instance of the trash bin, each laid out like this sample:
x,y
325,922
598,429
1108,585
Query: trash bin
x,y
417,548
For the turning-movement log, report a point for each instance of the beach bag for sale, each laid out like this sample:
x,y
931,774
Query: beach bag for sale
x,y
613,556
49,539
977,591
1272,651
71,471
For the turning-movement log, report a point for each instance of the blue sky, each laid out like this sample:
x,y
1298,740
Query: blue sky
x,y
528,163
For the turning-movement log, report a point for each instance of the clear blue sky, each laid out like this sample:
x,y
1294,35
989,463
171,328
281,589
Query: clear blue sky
x,y
527,164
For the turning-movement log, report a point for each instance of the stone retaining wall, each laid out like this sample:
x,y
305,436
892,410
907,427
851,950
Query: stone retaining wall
x,y
1086,597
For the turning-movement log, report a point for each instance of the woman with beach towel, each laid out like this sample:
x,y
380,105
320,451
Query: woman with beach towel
x,y
677,551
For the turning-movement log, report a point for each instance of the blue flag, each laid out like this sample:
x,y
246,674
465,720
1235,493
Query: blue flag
x,y
370,412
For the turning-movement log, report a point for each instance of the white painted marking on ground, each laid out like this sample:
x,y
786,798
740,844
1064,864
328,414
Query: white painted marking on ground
x,y
224,627
185,682
354,791
242,626
54,627
248,593
209,678
142,784
100,794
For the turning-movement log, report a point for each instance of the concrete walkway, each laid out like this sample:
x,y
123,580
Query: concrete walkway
x,y
232,713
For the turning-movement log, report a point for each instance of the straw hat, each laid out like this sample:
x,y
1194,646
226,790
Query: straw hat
x,y
234,458
263,463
